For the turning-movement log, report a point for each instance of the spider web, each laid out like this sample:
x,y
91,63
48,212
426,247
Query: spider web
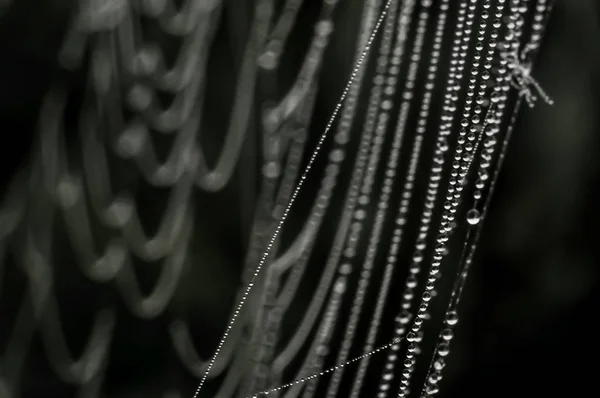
x,y
141,127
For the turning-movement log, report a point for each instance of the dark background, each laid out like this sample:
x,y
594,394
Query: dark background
x,y
528,322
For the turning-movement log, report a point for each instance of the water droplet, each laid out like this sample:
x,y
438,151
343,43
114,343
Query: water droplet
x,y
147,60
447,334
411,282
452,318
443,145
345,269
324,28
133,139
444,349
336,155
435,377
271,170
426,296
473,217
120,211
268,60
404,317
322,350
68,192
140,97
340,286
431,389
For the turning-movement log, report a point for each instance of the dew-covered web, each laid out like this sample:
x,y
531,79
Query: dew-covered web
x,y
337,306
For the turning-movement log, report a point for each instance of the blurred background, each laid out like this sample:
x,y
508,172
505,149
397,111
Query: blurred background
x,y
528,321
